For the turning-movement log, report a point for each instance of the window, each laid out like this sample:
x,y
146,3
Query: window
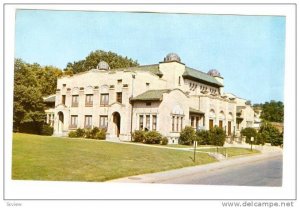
x,y
173,123
197,122
192,121
104,99
147,122
88,121
179,80
147,84
63,99
119,97
64,85
103,122
74,121
154,122
74,100
177,124
141,122
119,81
181,123
88,100
148,103
221,124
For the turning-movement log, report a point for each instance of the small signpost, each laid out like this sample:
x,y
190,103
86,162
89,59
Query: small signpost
x,y
252,139
195,146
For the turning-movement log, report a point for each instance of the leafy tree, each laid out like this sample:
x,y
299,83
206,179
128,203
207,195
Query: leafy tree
x,y
272,111
31,83
91,61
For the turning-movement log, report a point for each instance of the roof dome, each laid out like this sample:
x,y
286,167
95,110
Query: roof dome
x,y
103,65
172,57
214,73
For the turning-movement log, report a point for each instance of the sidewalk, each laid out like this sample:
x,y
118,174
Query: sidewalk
x,y
187,171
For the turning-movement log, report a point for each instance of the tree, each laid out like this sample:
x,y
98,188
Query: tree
x,y
31,83
272,111
91,61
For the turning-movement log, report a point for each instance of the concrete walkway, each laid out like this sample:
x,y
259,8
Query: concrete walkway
x,y
267,152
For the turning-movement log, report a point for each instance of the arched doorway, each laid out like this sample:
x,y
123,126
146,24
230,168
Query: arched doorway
x,y
60,121
117,123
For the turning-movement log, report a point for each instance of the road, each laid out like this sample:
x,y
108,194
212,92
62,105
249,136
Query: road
x,y
267,172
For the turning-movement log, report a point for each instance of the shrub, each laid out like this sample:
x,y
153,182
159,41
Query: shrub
x,y
277,141
217,136
101,134
203,137
187,136
47,130
248,133
138,136
164,141
80,132
270,132
259,139
94,132
72,134
87,133
152,137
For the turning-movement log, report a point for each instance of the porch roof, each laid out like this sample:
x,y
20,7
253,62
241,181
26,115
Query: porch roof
x,y
195,111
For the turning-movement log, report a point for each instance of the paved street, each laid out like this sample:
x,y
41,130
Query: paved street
x,y
259,173
257,170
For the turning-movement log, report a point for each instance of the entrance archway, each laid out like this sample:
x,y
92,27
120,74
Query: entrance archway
x,y
117,123
60,121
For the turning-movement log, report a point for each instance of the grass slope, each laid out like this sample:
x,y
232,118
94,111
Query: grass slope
x,y
62,159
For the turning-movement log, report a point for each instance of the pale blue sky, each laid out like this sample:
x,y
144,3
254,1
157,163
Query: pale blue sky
x,y
247,50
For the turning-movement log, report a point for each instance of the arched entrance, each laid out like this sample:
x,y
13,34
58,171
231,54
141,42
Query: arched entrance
x,y
60,122
117,123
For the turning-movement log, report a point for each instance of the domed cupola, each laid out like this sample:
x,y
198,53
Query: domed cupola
x,y
172,57
214,73
103,65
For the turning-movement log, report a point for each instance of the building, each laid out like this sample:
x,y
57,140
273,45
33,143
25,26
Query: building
x,y
164,97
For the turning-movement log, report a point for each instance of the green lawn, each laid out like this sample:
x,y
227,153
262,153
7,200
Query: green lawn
x,y
63,159
231,151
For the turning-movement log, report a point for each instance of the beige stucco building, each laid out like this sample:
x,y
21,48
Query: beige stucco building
x,y
164,97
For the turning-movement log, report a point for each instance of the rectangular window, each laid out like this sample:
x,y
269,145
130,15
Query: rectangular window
x,y
181,123
148,122
192,121
63,99
119,97
74,122
141,122
197,122
221,124
173,123
74,100
154,121
177,124
211,123
119,81
103,122
88,100
88,121
104,99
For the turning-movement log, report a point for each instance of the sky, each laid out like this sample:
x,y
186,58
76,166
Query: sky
x,y
248,51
